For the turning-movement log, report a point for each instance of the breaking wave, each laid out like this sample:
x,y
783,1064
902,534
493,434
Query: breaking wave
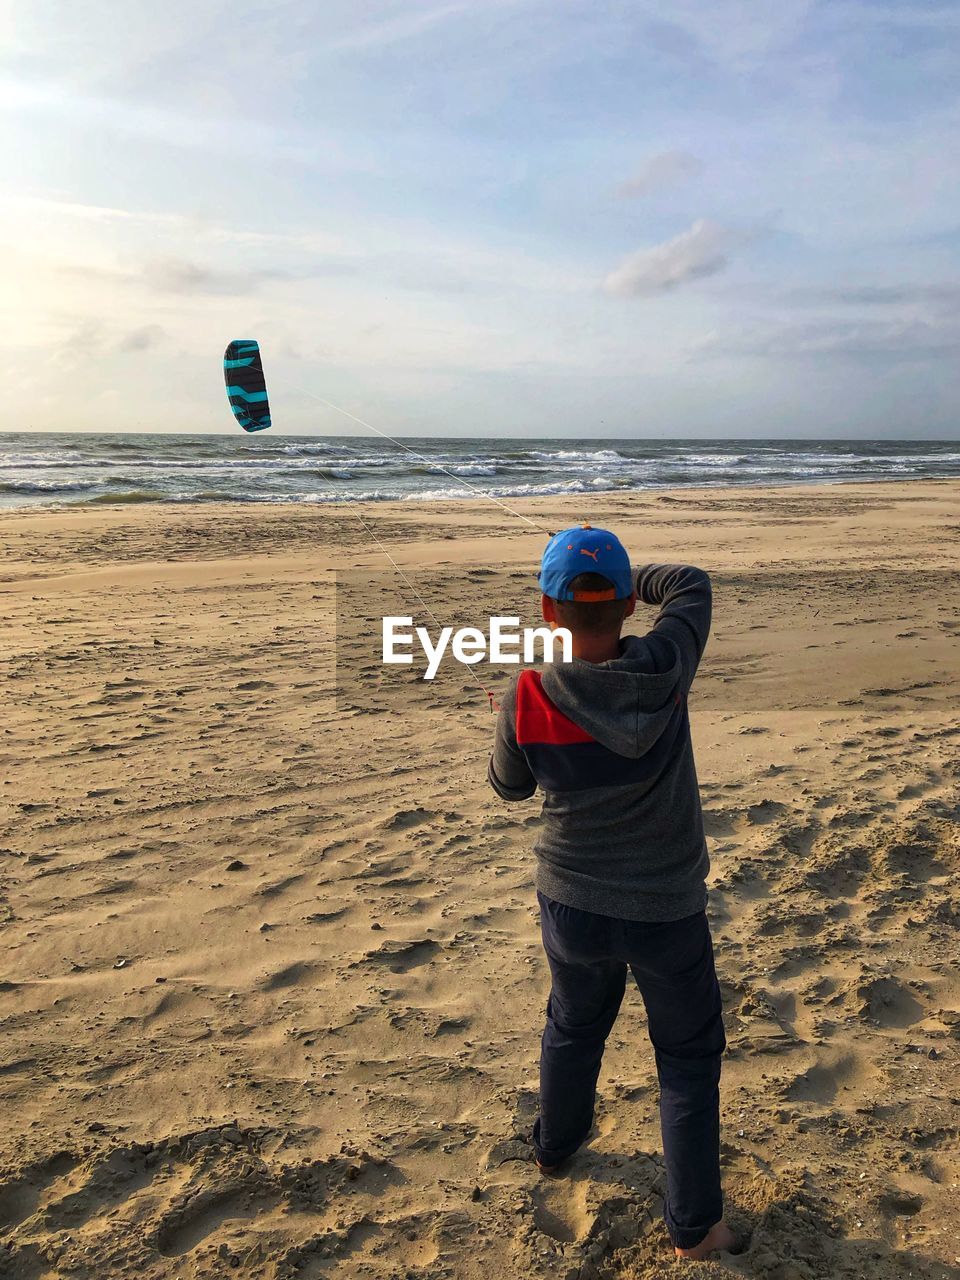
x,y
43,469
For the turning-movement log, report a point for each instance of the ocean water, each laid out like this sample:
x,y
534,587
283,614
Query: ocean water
x,y
45,469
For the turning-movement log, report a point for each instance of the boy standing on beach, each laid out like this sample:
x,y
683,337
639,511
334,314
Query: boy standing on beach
x,y
621,858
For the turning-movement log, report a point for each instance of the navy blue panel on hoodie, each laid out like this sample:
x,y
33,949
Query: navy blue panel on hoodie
x,y
564,757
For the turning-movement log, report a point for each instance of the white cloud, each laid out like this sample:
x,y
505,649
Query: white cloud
x,y
661,170
701,251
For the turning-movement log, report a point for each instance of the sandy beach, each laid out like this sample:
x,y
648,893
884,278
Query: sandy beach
x,y
271,987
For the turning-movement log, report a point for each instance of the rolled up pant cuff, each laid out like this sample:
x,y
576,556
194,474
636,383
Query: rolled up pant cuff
x,y
551,1156
688,1237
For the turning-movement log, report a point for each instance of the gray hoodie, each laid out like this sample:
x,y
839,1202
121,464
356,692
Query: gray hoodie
x,y
609,745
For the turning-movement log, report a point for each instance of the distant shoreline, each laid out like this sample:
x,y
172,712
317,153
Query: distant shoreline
x,y
122,501
474,439
266,469
475,505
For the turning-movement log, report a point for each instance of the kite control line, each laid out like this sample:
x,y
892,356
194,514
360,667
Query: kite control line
x,y
247,394
354,507
431,462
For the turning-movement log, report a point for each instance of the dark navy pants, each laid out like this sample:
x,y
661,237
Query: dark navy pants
x,y
673,967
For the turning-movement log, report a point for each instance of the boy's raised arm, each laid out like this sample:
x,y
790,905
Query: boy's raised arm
x,y
508,770
685,599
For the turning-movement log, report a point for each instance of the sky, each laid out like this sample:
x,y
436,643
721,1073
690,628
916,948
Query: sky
x,y
584,218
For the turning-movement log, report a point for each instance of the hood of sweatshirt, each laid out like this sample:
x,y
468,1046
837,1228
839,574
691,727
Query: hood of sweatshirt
x,y
627,703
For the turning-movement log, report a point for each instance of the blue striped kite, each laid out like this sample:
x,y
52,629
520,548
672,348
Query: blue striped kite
x,y
246,388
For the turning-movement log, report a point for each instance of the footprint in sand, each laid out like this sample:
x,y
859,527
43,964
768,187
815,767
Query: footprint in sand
x,y
193,1195
187,1227
560,1212
19,1196
102,1184
899,1204
822,1082
887,1003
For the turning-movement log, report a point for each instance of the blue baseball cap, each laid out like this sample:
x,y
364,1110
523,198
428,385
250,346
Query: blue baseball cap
x,y
585,550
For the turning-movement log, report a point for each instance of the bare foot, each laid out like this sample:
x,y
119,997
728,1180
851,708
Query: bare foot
x,y
718,1237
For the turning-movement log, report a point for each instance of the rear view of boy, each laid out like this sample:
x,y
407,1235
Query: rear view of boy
x,y
621,858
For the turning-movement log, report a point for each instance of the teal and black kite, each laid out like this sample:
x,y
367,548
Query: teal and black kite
x,y
246,388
